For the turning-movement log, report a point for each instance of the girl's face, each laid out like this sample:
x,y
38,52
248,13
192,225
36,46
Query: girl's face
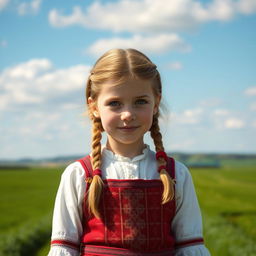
x,y
126,111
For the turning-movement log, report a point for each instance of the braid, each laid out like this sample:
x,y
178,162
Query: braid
x,y
156,134
168,182
95,190
96,145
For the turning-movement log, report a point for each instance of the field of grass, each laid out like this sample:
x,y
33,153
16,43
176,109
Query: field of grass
x,y
26,202
227,199
226,195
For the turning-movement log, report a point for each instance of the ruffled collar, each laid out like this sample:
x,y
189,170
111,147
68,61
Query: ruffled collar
x,y
115,157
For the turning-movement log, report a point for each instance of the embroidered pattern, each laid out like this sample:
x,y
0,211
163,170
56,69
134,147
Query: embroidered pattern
x,y
134,217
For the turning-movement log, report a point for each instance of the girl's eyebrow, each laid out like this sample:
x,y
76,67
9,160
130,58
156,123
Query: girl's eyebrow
x,y
118,98
142,96
113,98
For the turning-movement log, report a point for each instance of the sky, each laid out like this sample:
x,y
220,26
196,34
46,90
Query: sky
x,y
205,52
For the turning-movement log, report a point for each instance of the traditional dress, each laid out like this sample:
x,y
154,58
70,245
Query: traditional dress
x,y
134,221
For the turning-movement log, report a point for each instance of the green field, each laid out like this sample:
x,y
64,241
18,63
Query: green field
x,y
226,195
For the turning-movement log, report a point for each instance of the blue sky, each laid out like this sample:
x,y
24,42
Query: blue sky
x,y
204,50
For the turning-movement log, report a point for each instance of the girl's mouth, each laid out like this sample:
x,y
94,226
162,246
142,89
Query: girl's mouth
x,y
128,128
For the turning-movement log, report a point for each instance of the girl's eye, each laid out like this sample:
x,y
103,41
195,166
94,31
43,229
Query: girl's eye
x,y
141,102
114,104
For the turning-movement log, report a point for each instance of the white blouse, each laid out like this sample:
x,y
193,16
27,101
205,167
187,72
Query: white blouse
x,y
67,216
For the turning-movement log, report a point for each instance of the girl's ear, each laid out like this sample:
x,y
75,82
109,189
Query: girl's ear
x,y
157,103
93,107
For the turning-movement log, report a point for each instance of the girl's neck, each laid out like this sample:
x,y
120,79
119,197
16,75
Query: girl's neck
x,y
126,150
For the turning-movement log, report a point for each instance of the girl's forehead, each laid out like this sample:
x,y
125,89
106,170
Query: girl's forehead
x,y
130,86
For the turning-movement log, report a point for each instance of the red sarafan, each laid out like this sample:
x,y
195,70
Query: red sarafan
x,y
132,217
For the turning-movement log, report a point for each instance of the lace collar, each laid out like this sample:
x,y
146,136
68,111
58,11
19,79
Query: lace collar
x,y
115,157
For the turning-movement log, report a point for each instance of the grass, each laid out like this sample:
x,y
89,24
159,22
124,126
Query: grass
x,y
227,198
25,195
27,199
226,195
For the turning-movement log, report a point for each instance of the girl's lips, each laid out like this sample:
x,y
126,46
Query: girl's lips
x,y
128,128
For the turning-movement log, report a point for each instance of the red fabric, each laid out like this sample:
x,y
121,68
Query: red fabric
x,y
97,172
189,242
161,167
133,217
92,250
161,154
66,243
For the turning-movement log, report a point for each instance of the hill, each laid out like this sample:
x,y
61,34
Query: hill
x,y
199,160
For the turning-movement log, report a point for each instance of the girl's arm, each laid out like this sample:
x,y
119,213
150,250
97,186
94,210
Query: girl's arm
x,y
187,223
67,216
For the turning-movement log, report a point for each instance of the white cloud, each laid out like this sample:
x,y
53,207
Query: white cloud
x,y
41,109
251,91
223,119
151,16
176,65
189,116
37,81
152,44
3,4
29,7
234,123
246,6
27,70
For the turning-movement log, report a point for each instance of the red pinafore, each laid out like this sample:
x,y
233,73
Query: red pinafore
x,y
134,222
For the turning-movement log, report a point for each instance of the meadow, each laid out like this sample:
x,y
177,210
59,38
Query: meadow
x,y
226,196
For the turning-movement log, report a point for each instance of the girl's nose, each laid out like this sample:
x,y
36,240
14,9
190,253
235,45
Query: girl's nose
x,y
127,115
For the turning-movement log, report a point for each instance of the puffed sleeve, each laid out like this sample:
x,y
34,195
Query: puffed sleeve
x,y
187,223
67,216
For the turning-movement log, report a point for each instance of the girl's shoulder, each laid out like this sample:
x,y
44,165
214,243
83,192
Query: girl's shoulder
x,y
182,172
73,170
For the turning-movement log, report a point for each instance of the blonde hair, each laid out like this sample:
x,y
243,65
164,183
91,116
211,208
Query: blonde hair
x,y
118,65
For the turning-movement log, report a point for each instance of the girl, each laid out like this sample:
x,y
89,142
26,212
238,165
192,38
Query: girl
x,y
125,199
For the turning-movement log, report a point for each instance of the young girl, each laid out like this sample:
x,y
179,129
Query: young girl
x,y
124,198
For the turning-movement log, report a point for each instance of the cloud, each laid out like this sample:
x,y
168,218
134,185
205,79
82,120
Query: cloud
x,y
246,6
224,119
41,109
176,65
153,44
250,91
29,7
38,82
219,119
234,123
151,16
43,132
188,117
3,4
